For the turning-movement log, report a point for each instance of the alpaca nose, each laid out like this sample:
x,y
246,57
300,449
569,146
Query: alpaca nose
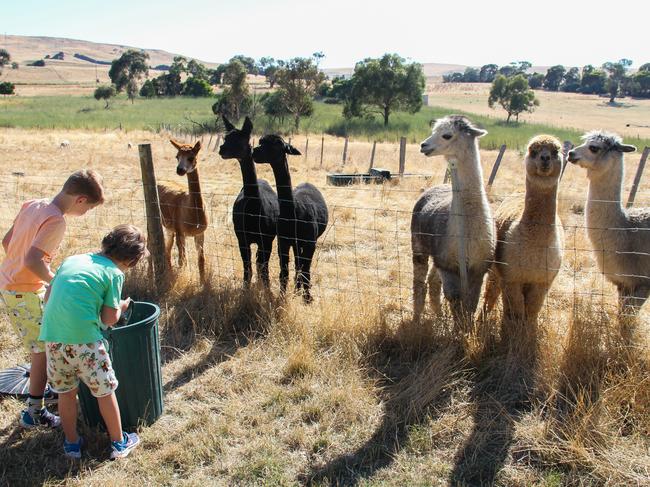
x,y
545,157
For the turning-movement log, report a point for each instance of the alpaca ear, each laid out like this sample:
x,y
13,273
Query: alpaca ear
x,y
291,150
175,144
197,147
227,123
476,132
625,148
247,128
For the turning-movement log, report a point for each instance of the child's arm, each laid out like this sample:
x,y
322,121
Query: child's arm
x,y
34,261
7,238
110,316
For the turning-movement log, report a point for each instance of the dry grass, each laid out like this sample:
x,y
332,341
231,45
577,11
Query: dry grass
x,y
571,110
347,390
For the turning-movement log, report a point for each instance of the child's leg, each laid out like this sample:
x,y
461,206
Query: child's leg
x,y
111,414
68,414
38,374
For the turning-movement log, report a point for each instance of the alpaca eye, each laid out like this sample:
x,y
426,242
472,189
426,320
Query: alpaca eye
x,y
533,154
191,159
554,153
446,136
594,149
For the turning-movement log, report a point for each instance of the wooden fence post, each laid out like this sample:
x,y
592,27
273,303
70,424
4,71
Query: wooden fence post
x,y
372,155
637,177
495,167
345,150
566,147
402,155
155,236
322,148
209,142
306,147
218,143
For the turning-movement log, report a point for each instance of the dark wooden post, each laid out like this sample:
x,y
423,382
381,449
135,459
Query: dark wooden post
x,y
345,150
372,155
402,155
495,167
155,236
566,147
322,148
637,177
217,143
306,147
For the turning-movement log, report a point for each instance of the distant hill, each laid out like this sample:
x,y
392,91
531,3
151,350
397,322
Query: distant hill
x,y
30,48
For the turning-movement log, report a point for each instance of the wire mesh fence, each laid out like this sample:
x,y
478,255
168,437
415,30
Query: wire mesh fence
x,y
366,248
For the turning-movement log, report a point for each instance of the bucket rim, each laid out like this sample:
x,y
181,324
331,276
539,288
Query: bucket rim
x,y
152,317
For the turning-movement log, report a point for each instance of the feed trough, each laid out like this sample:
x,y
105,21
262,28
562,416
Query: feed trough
x,y
373,176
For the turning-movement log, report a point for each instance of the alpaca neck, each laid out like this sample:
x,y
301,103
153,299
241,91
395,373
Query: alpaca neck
x,y
540,206
194,187
249,175
604,208
468,187
283,184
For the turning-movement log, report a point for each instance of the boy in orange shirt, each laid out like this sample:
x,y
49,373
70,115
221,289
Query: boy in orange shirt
x,y
30,245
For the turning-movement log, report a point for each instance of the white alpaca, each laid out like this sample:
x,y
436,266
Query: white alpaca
x,y
439,215
620,238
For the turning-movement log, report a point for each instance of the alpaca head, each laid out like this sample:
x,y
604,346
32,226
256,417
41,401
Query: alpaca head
x,y
273,150
544,161
236,144
599,151
186,156
447,133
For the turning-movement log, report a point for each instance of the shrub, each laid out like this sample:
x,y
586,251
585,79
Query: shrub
x,y
7,88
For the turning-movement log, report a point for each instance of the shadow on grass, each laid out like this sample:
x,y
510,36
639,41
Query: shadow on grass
x,y
417,371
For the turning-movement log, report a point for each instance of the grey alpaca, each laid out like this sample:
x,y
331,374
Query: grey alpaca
x,y
620,238
436,223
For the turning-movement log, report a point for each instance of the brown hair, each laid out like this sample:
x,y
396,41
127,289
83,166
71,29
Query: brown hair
x,y
85,182
125,243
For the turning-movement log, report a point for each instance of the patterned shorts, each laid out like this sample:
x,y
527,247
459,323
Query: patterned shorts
x,y
25,311
89,362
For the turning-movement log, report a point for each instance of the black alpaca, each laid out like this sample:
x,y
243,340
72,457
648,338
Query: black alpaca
x,y
255,212
303,213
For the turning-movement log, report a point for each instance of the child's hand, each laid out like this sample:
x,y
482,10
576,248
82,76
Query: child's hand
x,y
124,304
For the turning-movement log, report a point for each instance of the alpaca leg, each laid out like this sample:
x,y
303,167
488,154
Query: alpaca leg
x,y
513,308
492,292
473,294
283,251
630,305
180,245
199,240
245,252
169,244
420,269
452,291
435,286
262,263
534,296
307,254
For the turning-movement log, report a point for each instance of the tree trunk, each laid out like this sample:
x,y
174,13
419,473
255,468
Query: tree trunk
x,y
386,114
508,119
297,121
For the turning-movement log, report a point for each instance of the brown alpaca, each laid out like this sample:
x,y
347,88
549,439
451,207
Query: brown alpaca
x,y
530,238
183,213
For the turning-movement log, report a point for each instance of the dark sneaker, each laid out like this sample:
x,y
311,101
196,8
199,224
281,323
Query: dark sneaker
x,y
50,397
73,450
121,449
42,418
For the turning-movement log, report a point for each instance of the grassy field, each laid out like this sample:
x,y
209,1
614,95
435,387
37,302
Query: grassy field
x,y
347,391
80,112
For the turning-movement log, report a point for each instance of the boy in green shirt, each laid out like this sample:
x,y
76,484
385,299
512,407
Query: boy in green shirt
x,y
84,295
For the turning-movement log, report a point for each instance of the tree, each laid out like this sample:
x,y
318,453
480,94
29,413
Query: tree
x,y
179,65
536,81
385,85
248,62
5,58
15,65
197,70
487,73
235,99
127,70
471,75
515,68
274,106
197,87
298,79
148,89
571,81
644,67
7,88
593,80
318,57
105,92
553,77
616,73
513,94
168,84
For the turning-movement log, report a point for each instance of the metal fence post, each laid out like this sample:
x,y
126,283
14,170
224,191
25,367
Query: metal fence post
x,y
637,177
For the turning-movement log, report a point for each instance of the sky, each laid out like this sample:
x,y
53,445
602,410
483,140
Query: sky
x,y
468,32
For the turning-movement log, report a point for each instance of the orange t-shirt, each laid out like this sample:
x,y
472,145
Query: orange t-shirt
x,y
39,224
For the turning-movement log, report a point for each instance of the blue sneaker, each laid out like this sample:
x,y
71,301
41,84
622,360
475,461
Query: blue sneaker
x,y
121,449
73,450
42,418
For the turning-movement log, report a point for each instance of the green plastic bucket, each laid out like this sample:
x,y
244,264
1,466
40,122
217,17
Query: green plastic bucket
x,y
134,349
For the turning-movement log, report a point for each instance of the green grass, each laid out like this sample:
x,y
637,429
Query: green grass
x,y
84,112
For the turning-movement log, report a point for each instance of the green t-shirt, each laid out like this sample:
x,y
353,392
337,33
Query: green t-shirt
x,y
82,285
